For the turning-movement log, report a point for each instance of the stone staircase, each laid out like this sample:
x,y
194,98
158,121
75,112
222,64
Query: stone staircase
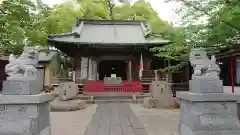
x,y
148,78
146,82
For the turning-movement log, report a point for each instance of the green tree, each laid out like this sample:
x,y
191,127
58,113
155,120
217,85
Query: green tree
x,y
33,22
22,22
64,15
212,24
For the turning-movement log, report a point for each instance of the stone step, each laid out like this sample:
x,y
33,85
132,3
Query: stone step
x,y
104,97
110,97
138,101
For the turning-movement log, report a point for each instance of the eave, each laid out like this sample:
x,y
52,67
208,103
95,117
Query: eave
x,y
232,51
106,34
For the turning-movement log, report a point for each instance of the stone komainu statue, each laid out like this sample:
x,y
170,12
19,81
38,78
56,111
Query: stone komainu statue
x,y
25,65
202,65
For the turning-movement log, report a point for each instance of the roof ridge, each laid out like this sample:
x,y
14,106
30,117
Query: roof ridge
x,y
103,21
76,34
82,19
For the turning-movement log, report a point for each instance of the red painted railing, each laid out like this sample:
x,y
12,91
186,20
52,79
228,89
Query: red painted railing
x,y
93,86
99,86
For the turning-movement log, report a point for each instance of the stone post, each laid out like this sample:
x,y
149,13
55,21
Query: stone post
x,y
24,110
205,109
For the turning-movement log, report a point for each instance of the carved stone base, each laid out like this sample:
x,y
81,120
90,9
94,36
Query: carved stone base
x,y
21,86
25,114
216,117
70,105
206,84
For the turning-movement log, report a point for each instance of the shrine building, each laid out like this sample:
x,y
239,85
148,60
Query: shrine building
x,y
112,48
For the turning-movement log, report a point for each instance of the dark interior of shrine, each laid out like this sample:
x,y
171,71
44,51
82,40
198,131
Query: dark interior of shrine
x,y
108,67
225,74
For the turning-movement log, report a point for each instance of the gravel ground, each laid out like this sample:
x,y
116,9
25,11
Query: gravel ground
x,y
71,123
158,121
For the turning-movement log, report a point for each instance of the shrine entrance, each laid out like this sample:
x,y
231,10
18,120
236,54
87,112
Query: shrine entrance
x,y
100,48
108,67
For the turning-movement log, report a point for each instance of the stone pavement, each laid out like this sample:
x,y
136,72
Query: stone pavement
x,y
71,123
157,121
115,119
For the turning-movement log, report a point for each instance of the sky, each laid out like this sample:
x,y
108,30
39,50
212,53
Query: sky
x,y
165,10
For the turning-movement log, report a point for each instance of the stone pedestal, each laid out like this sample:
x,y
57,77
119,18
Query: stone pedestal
x,y
21,86
206,110
69,105
205,84
24,110
25,114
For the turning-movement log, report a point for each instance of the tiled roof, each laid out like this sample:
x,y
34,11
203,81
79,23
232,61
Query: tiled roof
x,y
108,32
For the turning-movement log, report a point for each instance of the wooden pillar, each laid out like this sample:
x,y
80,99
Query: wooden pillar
x,y
134,69
77,68
231,72
146,62
130,70
141,67
97,74
187,72
169,74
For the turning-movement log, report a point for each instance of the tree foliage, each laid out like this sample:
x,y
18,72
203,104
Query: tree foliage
x,y
138,11
212,24
27,22
22,22
30,22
